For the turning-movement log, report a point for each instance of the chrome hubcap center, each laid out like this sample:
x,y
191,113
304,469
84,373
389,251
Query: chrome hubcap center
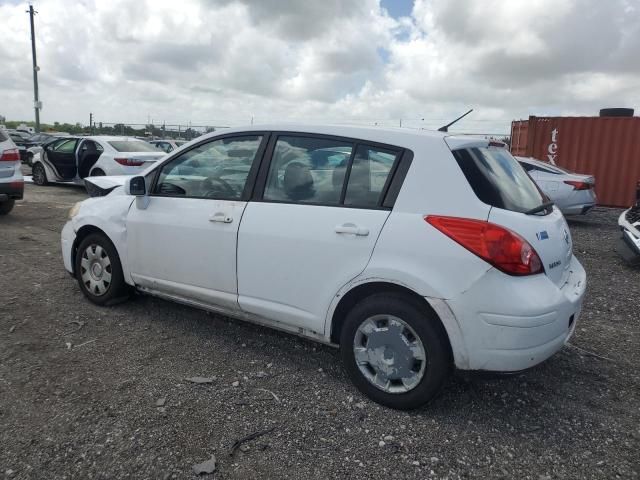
x,y
96,270
389,353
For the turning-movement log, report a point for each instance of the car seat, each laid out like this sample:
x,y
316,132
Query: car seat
x,y
298,182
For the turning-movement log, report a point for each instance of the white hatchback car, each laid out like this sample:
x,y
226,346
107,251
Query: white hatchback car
x,y
71,159
415,252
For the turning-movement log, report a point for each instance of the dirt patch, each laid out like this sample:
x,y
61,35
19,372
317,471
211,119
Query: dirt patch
x,y
81,386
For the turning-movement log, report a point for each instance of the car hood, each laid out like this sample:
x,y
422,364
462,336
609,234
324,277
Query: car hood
x,y
630,219
101,186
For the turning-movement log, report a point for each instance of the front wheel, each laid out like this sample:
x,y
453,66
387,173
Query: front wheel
x,y
395,350
39,175
99,271
7,206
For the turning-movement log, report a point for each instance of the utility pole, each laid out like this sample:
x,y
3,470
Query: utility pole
x,y
91,123
36,101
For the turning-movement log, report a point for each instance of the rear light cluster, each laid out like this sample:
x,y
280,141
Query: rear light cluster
x,y
579,185
129,162
500,247
10,155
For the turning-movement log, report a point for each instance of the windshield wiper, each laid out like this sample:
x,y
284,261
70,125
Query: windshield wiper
x,y
539,208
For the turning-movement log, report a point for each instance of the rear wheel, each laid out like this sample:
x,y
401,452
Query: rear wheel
x,y
99,271
97,173
395,350
39,175
7,206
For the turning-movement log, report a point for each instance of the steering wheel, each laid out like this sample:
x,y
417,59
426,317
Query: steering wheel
x,y
221,189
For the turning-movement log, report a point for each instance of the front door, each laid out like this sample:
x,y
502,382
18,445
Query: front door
x,y
183,241
314,227
61,157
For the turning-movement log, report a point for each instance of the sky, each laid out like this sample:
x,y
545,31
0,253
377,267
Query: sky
x,y
365,62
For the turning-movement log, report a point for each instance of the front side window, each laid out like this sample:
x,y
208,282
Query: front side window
x,y
218,169
307,170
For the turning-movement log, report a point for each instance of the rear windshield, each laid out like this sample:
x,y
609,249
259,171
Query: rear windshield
x,y
132,146
498,179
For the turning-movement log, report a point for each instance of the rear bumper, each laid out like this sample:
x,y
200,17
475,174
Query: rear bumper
x,y
579,202
13,190
514,323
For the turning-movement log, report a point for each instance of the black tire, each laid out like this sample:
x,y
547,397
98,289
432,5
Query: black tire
x,y
116,290
39,175
427,328
6,206
97,173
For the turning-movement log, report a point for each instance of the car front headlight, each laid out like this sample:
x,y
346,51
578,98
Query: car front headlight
x,y
74,210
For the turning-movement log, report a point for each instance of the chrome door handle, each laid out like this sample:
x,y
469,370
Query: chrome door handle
x,y
221,217
352,229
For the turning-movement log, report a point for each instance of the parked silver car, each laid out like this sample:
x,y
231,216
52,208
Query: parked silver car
x,y
573,193
11,181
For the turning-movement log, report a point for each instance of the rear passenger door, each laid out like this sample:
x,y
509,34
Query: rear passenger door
x,y
311,226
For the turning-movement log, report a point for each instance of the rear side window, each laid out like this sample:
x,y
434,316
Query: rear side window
x,y
65,146
308,170
498,179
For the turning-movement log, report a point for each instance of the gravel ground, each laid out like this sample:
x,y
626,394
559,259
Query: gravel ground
x,y
90,392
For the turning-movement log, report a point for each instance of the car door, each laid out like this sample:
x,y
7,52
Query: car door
x,y
182,239
312,227
61,157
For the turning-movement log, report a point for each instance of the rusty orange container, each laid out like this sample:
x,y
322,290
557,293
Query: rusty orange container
x,y
606,147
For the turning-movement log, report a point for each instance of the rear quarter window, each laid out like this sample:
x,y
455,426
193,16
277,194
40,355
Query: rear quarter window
x,y
498,179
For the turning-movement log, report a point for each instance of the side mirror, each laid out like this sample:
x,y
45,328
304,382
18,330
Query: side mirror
x,y
137,186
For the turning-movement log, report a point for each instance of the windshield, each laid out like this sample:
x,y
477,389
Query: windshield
x,y
498,179
132,146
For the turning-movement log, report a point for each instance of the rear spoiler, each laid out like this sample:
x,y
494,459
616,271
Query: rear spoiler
x,y
101,186
456,142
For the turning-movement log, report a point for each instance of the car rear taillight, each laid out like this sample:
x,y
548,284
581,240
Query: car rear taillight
x,y
129,162
10,155
502,248
579,185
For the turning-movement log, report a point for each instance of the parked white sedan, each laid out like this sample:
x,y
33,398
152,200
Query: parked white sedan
x,y
71,159
414,251
573,193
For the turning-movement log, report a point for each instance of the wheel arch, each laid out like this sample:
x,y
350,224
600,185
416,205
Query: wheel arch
x,y
364,290
82,233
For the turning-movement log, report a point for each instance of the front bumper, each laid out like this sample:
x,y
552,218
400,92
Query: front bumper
x,y
628,245
67,240
514,323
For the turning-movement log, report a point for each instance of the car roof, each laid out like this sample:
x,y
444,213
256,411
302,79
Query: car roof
x,y
395,136
113,138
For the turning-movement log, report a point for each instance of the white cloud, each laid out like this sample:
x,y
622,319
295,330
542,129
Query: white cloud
x,y
222,61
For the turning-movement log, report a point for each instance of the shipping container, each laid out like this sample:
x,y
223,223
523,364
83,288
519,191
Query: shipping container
x,y
606,147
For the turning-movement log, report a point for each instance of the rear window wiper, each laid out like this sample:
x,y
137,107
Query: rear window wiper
x,y
539,208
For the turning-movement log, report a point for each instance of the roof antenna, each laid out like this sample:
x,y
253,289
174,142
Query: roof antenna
x,y
446,127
